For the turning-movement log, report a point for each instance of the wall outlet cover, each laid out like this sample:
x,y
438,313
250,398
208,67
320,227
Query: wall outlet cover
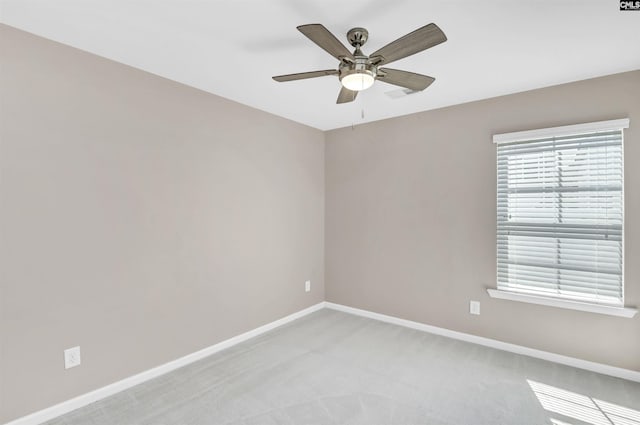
x,y
307,286
71,357
474,307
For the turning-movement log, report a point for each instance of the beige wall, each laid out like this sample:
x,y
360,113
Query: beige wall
x,y
411,218
140,219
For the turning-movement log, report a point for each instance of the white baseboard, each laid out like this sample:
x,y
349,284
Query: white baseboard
x,y
93,396
604,369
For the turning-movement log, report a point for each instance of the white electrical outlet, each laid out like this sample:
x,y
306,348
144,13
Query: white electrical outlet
x,y
71,357
307,286
474,307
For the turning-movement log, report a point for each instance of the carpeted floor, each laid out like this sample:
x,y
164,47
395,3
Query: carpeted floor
x,y
335,368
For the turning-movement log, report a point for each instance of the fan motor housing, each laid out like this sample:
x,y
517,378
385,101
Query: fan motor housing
x,y
359,67
357,75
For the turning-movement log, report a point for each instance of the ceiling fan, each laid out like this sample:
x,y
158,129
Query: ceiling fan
x,y
358,71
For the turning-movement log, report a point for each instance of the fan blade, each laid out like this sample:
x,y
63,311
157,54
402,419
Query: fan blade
x,y
346,95
412,43
304,75
410,80
323,38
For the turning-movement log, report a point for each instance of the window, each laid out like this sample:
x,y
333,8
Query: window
x,y
560,213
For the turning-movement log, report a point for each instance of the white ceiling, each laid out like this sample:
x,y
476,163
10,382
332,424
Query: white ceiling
x,y
232,47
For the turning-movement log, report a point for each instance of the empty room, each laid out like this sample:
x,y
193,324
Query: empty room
x,y
307,212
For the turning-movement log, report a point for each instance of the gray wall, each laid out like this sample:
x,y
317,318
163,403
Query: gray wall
x,y
141,219
411,218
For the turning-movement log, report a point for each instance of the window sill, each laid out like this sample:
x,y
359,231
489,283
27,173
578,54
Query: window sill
x,y
554,302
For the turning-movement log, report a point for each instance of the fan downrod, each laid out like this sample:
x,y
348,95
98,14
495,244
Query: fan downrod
x,y
357,37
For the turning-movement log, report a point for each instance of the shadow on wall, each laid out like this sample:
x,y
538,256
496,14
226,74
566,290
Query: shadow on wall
x,y
581,408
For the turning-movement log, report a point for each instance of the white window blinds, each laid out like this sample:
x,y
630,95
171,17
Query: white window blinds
x,y
560,213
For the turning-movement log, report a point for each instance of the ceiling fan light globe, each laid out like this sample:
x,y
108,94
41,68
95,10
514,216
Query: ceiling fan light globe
x,y
357,81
